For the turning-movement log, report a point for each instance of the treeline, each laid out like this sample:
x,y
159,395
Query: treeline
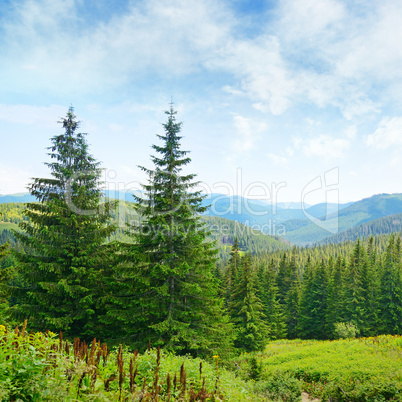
x,y
329,292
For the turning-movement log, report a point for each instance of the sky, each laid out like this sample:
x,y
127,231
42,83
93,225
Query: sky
x,y
282,100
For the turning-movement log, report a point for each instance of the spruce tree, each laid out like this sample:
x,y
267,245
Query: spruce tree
x,y
292,297
355,288
335,297
179,304
65,261
391,291
232,271
246,310
4,277
272,309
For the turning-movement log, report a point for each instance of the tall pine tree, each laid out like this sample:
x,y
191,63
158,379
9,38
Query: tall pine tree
x,y
179,301
66,262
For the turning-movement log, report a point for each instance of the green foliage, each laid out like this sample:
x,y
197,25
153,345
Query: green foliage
x,y
246,309
359,283
63,264
364,369
171,276
44,367
388,224
281,387
345,330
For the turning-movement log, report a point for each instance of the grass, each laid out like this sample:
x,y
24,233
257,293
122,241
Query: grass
x,y
8,226
365,369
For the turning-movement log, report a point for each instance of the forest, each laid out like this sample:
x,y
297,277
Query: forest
x,y
175,286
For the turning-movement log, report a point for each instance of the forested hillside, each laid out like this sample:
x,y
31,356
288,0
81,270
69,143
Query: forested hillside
x,y
388,224
369,209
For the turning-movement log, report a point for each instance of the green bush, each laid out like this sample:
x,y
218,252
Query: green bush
x,y
281,387
344,330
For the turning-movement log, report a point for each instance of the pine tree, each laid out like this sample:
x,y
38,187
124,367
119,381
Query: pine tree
x,y
232,271
246,310
335,297
4,277
272,309
354,288
179,301
65,261
391,291
292,297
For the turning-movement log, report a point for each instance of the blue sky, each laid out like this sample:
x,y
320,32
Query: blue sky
x,y
279,99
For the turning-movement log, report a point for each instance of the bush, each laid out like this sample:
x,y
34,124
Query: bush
x,y
281,387
345,330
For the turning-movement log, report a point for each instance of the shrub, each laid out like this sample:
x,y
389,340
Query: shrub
x,y
345,330
282,387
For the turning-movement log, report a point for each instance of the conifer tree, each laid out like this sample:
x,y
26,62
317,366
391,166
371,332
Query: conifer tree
x,y
313,304
232,271
335,297
391,291
179,302
4,276
246,310
355,292
292,297
272,309
65,261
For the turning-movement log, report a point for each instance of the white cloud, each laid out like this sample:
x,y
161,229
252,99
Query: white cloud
x,y
309,18
44,116
326,146
246,133
320,52
259,67
278,159
48,45
387,134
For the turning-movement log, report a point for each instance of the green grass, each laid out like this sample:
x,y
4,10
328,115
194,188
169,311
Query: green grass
x,y
44,367
365,369
8,226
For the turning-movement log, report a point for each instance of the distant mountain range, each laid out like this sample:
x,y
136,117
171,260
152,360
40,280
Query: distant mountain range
x,y
20,197
354,215
320,223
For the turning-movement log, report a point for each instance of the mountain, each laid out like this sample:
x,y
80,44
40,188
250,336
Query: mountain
x,y
291,205
359,212
386,225
19,197
259,213
302,227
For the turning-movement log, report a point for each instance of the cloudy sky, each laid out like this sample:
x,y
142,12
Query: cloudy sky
x,y
282,99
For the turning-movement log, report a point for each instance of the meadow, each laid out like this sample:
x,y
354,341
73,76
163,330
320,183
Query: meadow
x,y
362,369
45,367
